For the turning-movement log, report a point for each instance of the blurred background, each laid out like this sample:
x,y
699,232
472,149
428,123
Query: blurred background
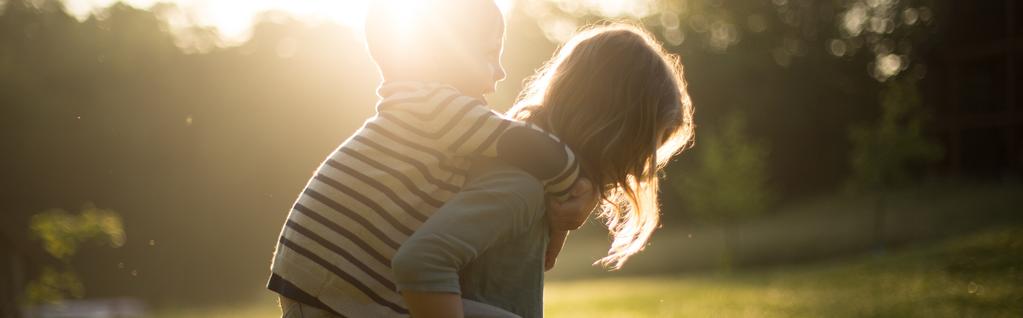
x,y
854,158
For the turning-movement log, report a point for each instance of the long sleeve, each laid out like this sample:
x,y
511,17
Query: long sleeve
x,y
443,119
491,209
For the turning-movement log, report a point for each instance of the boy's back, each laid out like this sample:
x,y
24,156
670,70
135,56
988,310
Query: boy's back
x,y
405,162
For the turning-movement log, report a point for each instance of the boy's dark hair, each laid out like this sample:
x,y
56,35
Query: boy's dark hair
x,y
417,38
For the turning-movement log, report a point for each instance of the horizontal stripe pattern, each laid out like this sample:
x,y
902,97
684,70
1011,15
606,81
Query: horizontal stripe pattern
x,y
379,186
346,277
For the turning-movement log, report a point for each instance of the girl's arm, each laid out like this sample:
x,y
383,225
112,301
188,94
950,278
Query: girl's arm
x,y
433,305
492,208
443,305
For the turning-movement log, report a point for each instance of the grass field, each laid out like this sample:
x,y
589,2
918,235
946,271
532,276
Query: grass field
x,y
975,275
980,275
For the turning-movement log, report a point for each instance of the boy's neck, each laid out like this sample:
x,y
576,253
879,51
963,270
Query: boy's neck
x,y
434,80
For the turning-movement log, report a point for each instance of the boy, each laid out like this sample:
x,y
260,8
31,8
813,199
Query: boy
x,y
405,162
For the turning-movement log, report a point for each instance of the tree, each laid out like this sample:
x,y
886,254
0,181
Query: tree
x,y
884,151
886,30
61,234
729,183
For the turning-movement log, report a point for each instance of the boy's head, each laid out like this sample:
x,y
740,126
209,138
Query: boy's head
x,y
456,42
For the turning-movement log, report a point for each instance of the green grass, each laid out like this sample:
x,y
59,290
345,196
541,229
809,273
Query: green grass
x,y
803,231
976,275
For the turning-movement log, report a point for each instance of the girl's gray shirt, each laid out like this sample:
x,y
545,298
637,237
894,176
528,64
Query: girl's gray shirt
x,y
487,243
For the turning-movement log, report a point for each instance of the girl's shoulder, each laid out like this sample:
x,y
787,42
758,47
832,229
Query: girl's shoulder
x,y
513,185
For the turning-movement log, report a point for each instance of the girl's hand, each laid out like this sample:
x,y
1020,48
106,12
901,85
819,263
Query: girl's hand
x,y
433,305
572,213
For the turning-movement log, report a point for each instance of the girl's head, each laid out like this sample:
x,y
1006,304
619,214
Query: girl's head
x,y
619,100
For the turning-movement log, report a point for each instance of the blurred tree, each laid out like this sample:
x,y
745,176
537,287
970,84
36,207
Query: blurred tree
x,y
884,151
887,29
730,181
61,234
185,142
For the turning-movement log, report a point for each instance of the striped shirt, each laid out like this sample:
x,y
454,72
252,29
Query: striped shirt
x,y
385,180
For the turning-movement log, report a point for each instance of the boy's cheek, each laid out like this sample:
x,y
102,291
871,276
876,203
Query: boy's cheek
x,y
497,72
485,76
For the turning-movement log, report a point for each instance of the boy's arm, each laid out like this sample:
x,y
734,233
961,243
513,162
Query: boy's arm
x,y
554,248
568,215
465,126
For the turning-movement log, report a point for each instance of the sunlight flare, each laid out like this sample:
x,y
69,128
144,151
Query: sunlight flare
x,y
233,19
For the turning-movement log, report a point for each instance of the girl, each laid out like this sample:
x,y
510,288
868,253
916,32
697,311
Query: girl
x,y
619,101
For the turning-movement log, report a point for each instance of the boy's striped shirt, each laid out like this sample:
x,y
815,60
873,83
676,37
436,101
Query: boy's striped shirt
x,y
385,180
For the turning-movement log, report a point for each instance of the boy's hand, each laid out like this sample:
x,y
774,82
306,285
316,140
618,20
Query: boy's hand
x,y
553,248
568,215
572,213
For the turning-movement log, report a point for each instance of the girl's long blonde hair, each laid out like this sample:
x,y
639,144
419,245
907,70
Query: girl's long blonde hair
x,y
619,100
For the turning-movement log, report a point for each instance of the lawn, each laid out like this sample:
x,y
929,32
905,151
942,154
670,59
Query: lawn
x,y
979,275
974,275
